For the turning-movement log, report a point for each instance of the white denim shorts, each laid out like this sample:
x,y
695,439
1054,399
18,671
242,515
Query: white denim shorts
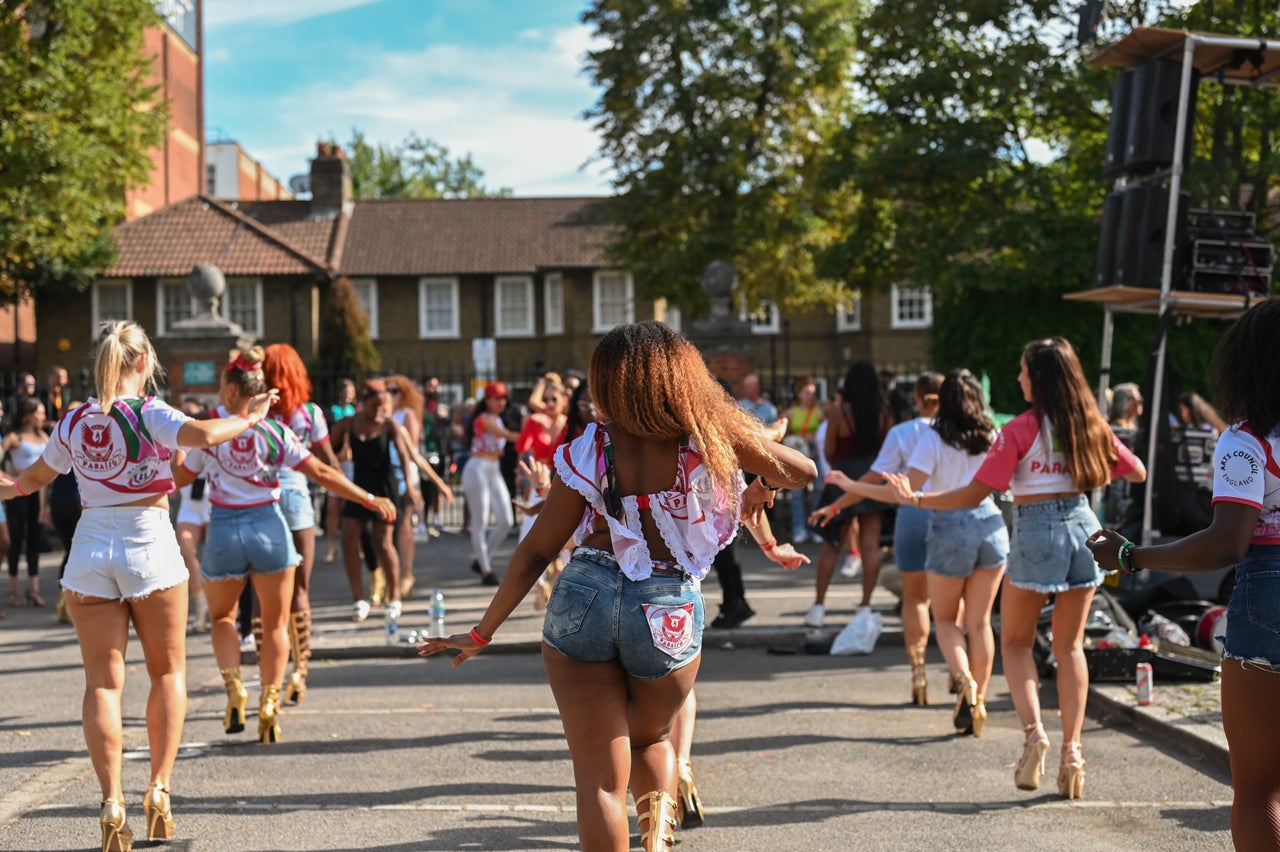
x,y
123,553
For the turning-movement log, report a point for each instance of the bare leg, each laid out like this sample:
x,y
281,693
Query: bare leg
x,y
305,542
224,602
388,558
1250,695
915,607
1070,611
979,596
102,627
351,528
273,591
944,597
160,620
869,543
682,728
1019,609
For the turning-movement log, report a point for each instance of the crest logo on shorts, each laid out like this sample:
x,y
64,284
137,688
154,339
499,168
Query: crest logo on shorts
x,y
671,627
98,447
242,458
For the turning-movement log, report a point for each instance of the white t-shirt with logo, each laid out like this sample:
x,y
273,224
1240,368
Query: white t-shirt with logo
x,y
119,456
245,471
1245,471
1022,462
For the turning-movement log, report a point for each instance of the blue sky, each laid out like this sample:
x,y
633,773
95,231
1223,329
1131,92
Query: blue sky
x,y
499,79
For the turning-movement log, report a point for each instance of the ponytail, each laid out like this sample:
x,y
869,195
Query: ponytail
x,y
119,345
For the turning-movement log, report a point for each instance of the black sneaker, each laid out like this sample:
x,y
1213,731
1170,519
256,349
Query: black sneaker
x,y
475,566
733,615
490,579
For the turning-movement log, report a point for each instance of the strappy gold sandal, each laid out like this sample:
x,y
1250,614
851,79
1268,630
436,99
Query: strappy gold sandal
x,y
1071,772
159,813
657,813
919,678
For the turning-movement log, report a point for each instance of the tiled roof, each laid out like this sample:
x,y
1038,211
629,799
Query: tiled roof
x,y
474,235
293,221
171,241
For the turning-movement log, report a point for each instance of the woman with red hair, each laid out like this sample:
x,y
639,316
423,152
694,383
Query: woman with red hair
x,y
283,369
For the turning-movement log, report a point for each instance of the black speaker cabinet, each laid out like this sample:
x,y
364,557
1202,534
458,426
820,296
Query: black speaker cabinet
x,y
1117,131
1139,247
1104,268
1153,112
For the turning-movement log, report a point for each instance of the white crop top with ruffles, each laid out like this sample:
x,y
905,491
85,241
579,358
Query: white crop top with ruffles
x,y
119,456
693,516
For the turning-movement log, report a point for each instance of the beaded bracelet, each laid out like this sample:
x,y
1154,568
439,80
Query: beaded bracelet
x,y
1125,557
477,638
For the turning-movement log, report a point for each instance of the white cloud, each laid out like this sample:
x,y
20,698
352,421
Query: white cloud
x,y
223,13
515,108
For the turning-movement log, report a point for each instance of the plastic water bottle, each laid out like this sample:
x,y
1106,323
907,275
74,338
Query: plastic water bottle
x,y
393,628
436,610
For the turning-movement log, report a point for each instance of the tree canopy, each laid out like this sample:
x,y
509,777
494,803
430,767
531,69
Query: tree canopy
x,y
78,120
416,168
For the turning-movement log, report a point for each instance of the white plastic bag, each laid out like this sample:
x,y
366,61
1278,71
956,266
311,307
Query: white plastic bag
x,y
860,635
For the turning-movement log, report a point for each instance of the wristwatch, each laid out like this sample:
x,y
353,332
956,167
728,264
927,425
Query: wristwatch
x,y
916,498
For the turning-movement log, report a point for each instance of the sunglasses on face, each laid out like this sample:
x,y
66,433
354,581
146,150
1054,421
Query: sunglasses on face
x,y
394,391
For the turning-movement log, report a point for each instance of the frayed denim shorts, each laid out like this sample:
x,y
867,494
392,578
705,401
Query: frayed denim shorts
x,y
1048,552
1253,614
295,503
652,626
910,529
123,553
963,539
240,540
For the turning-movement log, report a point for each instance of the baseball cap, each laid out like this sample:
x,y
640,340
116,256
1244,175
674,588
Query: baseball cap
x,y
495,390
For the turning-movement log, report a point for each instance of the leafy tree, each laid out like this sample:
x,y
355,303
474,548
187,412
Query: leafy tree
x,y
417,168
345,345
715,116
78,121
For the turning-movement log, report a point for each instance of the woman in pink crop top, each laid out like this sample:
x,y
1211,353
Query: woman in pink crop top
x,y
648,495
1049,456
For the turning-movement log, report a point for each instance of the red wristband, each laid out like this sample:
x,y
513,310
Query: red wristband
x,y
246,417
18,490
769,545
369,499
477,638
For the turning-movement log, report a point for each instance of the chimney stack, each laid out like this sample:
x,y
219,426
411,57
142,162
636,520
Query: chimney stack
x,y
330,179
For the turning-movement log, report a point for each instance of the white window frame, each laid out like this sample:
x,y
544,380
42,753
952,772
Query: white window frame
x,y
370,306
598,324
553,303
765,319
162,324
425,333
673,317
846,319
500,283
97,317
225,304
900,294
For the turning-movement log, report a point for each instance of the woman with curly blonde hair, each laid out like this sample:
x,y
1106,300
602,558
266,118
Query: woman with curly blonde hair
x,y
649,494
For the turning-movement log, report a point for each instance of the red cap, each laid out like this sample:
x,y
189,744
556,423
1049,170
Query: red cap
x,y
495,390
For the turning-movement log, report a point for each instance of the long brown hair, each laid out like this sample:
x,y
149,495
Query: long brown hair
x,y
410,396
1059,391
654,384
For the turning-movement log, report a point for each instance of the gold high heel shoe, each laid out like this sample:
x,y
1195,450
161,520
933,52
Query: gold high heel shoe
x,y
689,802
200,604
656,811
116,834
63,614
300,646
237,698
919,679
979,715
159,813
33,595
1026,775
269,715
966,700
1071,772
378,591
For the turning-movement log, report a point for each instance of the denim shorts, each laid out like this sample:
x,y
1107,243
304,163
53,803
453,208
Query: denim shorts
x,y
963,539
241,540
1253,614
299,511
1048,552
652,627
910,529
123,552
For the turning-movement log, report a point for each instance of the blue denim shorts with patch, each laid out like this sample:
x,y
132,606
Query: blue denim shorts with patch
x,y
1253,614
652,626
243,540
1048,552
963,539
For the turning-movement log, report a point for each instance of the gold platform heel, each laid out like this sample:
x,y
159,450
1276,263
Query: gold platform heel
x,y
919,679
1071,772
378,588
159,813
657,814
116,835
269,716
1026,775
690,803
966,701
979,715
237,698
300,647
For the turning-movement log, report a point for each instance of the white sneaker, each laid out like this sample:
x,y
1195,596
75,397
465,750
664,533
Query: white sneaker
x,y
248,643
394,608
800,537
360,610
815,616
852,566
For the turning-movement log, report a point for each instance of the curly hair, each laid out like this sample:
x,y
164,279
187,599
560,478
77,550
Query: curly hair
x,y
962,420
1059,391
283,369
1243,390
244,371
654,384
410,397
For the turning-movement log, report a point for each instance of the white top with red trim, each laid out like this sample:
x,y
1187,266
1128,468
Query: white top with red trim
x,y
1024,462
484,441
946,466
692,516
308,423
119,456
1245,471
245,471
